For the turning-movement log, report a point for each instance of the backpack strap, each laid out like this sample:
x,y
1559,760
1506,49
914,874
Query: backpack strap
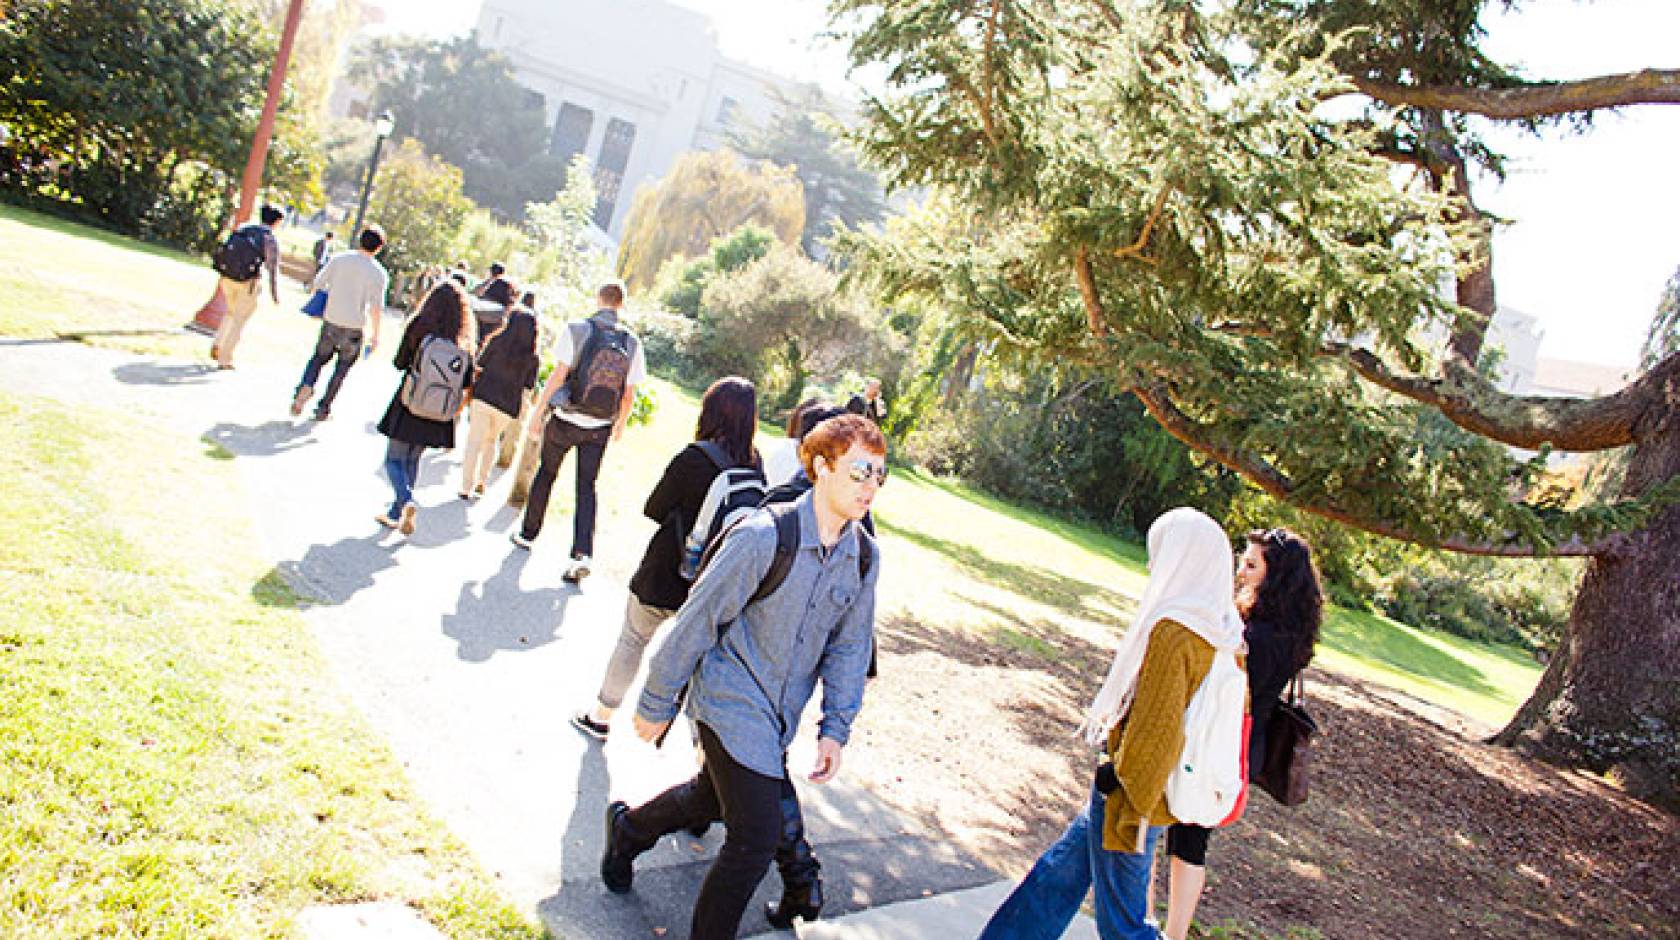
x,y
787,545
715,454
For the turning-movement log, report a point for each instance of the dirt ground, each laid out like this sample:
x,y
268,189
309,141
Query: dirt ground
x,y
1414,828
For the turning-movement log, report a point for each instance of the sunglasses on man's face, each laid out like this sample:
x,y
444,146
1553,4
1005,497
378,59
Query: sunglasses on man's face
x,y
861,470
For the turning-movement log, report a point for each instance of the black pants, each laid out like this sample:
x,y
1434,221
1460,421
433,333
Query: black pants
x,y
340,341
750,805
591,443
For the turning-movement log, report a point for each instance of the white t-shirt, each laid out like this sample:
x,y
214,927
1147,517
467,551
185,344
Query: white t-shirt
x,y
354,283
565,351
781,460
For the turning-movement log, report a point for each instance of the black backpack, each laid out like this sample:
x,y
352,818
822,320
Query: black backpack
x,y
786,516
596,386
240,258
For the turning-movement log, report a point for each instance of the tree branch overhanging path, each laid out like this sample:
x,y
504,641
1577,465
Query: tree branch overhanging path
x,y
1289,226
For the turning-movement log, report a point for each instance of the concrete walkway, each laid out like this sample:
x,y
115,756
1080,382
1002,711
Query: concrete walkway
x,y
467,654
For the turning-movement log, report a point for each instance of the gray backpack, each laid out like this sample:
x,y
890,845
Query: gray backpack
x,y
436,381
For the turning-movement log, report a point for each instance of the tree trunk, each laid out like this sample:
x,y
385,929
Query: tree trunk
x,y
1610,699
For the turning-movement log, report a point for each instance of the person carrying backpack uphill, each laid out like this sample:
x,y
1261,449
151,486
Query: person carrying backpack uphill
x,y
240,262
786,598
587,400
436,356
720,467
1187,630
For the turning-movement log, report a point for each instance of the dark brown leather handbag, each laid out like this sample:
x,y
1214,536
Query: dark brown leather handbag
x,y
1289,742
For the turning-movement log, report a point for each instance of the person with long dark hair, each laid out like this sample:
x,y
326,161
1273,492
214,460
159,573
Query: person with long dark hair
x,y
443,314
1282,606
728,420
507,369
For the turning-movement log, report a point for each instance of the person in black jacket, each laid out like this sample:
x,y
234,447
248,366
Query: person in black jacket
x,y
444,314
1282,605
507,369
728,418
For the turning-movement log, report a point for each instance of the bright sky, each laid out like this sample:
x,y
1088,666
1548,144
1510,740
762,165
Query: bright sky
x,y
1594,216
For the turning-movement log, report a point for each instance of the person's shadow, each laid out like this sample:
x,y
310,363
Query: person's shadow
x,y
158,373
332,574
497,614
262,440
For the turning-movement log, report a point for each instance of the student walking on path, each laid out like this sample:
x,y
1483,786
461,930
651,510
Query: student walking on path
x,y
355,284
728,420
436,356
751,662
254,249
1185,616
586,402
1282,605
507,369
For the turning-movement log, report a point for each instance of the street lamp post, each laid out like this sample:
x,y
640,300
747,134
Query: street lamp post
x,y
382,126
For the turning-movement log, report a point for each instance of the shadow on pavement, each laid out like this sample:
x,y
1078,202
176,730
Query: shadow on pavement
x,y
871,855
262,440
331,574
497,614
158,373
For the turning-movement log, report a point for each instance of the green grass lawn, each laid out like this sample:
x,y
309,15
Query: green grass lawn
x,y
175,760
62,279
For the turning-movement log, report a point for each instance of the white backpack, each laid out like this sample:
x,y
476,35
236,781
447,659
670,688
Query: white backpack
x,y
733,495
1207,784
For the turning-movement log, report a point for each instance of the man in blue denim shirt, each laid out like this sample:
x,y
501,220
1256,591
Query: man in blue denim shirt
x,y
751,668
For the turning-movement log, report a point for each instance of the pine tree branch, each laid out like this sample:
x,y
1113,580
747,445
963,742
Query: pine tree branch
x,y
1275,483
988,81
1648,86
1573,424
1095,317
1136,248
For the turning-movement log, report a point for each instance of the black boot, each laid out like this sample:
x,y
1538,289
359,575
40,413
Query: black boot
x,y
801,874
804,900
623,845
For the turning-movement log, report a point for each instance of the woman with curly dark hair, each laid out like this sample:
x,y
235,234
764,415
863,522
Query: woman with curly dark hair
x,y
443,315
1282,606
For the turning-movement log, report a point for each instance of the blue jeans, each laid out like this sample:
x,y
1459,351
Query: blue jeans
x,y
402,465
1042,906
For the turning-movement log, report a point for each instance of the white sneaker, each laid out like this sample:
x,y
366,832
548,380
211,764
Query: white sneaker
x,y
577,570
518,538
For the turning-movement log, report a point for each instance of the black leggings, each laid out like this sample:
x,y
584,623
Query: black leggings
x,y
749,803
1188,843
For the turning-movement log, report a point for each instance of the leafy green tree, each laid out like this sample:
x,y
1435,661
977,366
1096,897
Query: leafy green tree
x,y
1157,191
780,319
682,282
706,195
1663,338
461,102
804,133
132,98
418,200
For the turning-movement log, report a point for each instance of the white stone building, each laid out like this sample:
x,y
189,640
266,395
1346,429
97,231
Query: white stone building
x,y
631,84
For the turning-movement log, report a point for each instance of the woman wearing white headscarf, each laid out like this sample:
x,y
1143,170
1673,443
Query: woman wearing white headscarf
x,y
1185,616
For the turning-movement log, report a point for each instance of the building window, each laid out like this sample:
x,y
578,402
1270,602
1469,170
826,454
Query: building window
x,y
726,109
609,168
571,131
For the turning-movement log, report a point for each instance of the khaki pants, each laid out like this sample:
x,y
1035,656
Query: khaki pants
x,y
485,426
241,300
641,622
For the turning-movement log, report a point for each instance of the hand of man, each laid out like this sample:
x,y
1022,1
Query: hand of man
x,y
617,431
828,760
534,430
650,731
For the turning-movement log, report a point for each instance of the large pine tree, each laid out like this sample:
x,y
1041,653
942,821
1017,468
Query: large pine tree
x,y
1246,213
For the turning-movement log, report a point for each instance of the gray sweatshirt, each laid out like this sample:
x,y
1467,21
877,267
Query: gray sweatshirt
x,y
751,685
